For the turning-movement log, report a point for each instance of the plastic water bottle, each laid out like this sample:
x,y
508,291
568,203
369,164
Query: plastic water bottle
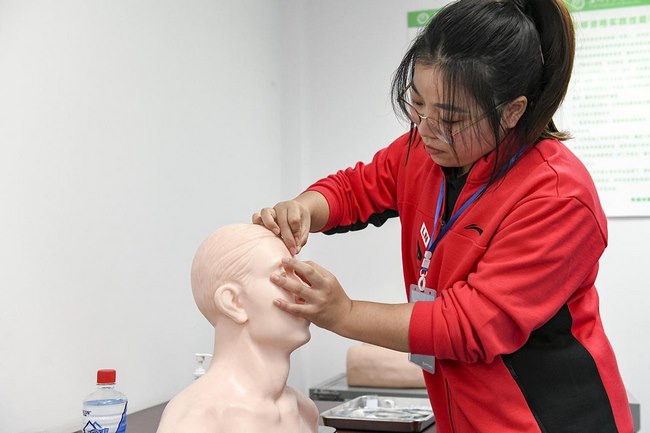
x,y
104,411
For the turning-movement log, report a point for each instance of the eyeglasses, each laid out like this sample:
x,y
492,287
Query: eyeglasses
x,y
441,129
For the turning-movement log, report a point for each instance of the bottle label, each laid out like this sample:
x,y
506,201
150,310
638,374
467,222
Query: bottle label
x,y
94,427
98,420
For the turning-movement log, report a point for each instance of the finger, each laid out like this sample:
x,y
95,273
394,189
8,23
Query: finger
x,y
268,217
295,221
302,277
304,270
302,237
295,309
300,245
256,218
291,285
318,269
286,233
297,273
304,233
299,293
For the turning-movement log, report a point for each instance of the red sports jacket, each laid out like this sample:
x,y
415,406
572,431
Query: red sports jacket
x,y
515,329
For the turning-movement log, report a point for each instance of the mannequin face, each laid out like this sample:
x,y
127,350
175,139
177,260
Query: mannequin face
x,y
231,285
267,323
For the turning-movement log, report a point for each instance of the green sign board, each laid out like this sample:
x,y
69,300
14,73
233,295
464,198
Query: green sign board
x,y
596,5
421,18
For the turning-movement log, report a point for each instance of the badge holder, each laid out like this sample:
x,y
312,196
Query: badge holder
x,y
417,293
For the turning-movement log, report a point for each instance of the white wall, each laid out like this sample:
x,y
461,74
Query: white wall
x,y
129,130
350,51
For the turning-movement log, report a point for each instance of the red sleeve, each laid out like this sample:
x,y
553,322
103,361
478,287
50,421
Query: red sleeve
x,y
545,251
354,195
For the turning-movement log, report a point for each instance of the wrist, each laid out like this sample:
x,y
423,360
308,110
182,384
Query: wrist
x,y
317,207
342,324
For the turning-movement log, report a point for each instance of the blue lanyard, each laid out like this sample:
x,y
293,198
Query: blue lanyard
x,y
443,231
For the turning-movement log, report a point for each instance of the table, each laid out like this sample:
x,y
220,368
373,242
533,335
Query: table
x,y
146,421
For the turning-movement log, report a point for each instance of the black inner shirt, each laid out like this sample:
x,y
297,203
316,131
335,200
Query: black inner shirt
x,y
454,185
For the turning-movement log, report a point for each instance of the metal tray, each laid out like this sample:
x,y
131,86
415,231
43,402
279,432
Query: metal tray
x,y
378,413
336,389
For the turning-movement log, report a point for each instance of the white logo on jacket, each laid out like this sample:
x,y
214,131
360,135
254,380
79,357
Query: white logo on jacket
x,y
425,235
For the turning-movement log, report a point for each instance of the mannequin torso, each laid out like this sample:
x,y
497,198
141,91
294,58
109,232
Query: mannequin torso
x,y
244,389
202,409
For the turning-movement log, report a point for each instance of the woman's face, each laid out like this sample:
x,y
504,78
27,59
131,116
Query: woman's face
x,y
470,129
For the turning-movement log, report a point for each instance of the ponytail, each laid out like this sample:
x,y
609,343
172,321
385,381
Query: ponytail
x,y
557,45
496,51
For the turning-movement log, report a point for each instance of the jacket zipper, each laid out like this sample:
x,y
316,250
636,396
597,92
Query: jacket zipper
x,y
514,375
451,419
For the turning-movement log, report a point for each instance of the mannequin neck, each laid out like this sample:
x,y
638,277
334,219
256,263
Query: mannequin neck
x,y
251,368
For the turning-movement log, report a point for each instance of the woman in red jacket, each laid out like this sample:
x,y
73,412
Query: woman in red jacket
x,y
502,230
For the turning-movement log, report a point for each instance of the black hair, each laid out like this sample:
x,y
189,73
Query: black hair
x,y
495,51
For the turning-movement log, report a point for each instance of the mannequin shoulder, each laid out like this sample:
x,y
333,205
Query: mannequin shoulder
x,y
200,417
305,405
192,411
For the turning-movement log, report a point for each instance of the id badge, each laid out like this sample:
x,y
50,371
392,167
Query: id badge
x,y
425,362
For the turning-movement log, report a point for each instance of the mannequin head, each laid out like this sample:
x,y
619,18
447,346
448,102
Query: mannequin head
x,y
253,341
232,288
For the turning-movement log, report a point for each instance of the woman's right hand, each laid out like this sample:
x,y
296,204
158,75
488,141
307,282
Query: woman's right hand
x,y
291,220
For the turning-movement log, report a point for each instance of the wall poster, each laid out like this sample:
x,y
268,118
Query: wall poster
x,y
607,107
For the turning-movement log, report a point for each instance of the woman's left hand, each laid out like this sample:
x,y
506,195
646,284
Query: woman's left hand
x,y
321,299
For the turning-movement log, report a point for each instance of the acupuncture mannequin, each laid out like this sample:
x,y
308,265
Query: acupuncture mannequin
x,y
244,390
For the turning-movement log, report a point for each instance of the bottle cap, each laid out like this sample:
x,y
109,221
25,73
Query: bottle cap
x,y
105,376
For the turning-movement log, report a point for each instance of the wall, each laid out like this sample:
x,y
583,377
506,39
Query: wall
x,y
129,131
349,51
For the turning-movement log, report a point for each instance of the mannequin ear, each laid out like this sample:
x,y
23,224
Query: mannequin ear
x,y
227,299
513,112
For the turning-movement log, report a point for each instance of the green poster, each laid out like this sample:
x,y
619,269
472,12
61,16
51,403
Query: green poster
x,y
421,18
608,101
595,5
